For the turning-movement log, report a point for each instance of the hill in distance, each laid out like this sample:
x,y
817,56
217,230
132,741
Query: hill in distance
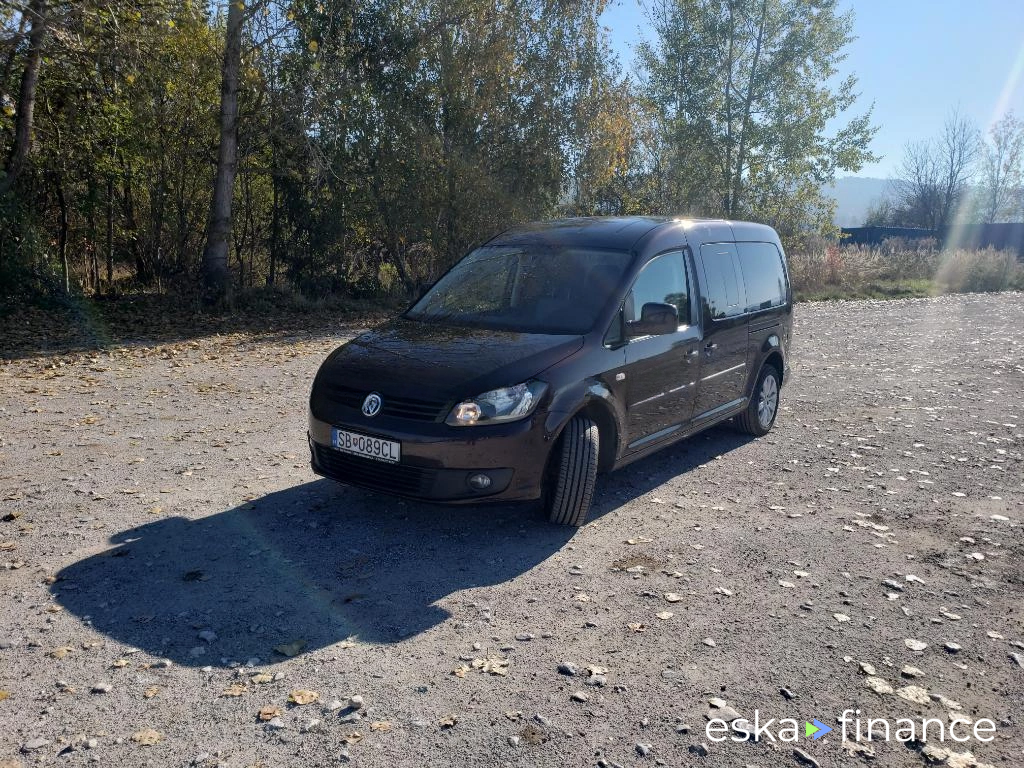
x,y
853,196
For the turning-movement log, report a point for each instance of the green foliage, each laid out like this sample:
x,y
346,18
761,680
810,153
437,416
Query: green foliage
x,y
27,270
745,97
378,141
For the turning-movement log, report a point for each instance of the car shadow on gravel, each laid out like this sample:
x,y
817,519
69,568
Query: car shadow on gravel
x,y
317,562
320,563
653,472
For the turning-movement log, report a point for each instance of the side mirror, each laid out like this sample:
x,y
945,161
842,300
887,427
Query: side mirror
x,y
655,320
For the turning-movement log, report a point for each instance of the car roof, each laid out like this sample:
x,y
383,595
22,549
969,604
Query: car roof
x,y
620,232
617,232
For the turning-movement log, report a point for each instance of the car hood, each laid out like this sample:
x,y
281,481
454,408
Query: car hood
x,y
431,360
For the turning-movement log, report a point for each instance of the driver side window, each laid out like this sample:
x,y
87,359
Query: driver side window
x,y
662,281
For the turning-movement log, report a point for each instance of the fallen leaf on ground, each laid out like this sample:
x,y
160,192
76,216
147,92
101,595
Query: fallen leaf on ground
x,y
152,691
637,626
352,738
4,695
234,690
261,678
383,726
495,665
303,697
913,693
878,685
639,540
294,648
147,737
269,713
448,722
120,663
60,653
461,670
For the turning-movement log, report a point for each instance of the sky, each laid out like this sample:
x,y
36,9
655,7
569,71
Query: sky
x,y
916,60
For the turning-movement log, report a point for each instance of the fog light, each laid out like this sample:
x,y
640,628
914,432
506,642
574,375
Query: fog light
x,y
479,482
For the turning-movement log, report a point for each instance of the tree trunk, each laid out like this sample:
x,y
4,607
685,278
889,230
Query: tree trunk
x,y
62,232
26,98
741,155
275,233
215,255
110,234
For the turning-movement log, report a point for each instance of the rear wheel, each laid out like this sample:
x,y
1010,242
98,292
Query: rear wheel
x,y
573,473
764,404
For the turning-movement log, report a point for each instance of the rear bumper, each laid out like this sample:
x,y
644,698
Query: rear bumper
x,y
437,461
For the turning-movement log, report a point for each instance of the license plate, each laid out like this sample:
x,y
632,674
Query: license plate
x,y
368,447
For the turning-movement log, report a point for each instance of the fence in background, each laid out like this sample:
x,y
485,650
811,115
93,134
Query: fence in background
x,y
1003,237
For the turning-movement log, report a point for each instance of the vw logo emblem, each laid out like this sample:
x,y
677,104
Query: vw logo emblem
x,y
371,405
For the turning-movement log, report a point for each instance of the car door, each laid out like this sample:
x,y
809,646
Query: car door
x,y
661,371
723,368
767,291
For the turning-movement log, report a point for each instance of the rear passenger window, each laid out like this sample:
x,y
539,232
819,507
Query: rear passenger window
x,y
722,296
662,281
763,275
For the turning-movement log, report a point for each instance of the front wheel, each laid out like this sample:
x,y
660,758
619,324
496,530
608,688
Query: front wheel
x,y
764,404
573,473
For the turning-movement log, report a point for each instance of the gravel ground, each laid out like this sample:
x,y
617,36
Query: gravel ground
x,y
174,574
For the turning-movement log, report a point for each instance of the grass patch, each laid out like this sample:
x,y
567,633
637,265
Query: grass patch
x,y
900,269
879,289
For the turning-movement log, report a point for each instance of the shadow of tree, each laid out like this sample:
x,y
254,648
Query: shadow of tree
x,y
321,562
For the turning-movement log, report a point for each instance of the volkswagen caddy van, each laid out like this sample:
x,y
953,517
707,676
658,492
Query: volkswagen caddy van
x,y
554,352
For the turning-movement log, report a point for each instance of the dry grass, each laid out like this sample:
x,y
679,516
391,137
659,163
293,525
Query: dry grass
x,y
900,268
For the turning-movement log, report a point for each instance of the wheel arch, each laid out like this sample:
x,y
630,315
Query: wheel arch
x,y
771,354
598,404
774,359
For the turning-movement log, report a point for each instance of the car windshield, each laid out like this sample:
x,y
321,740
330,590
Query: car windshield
x,y
525,288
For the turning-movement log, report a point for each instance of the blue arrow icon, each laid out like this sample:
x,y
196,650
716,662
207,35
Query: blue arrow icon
x,y
817,730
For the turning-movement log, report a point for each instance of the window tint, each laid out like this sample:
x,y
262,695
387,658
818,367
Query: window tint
x,y
763,275
662,281
722,296
530,289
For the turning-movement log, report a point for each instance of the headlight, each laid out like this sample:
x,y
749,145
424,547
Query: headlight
x,y
506,404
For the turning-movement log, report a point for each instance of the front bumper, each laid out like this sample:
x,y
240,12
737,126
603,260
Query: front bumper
x,y
438,460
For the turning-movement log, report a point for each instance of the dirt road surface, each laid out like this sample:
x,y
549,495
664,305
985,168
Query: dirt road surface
x,y
179,589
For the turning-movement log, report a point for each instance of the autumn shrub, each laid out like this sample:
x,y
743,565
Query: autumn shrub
x,y
900,267
980,271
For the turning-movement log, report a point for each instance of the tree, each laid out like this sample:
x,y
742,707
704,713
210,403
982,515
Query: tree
x,y
744,91
1002,170
957,154
918,187
933,181
25,110
216,277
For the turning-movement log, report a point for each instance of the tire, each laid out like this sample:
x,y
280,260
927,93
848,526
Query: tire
x,y
573,473
763,407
